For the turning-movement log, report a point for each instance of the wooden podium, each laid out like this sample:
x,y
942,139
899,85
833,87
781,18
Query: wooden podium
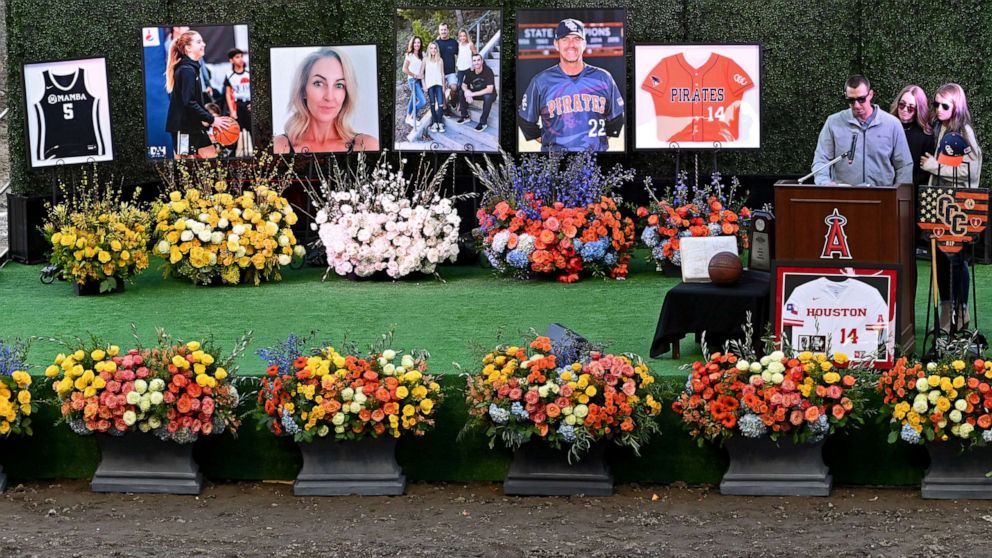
x,y
880,229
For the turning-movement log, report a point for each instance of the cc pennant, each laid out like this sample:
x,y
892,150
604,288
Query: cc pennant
x,y
953,216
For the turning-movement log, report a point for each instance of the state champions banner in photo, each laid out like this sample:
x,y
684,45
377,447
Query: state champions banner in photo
x,y
571,80
953,216
697,96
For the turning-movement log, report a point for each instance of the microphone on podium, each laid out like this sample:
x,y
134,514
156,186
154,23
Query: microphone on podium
x,y
849,155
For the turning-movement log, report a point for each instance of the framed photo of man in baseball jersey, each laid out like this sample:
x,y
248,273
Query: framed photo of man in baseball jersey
x,y
198,93
697,96
447,79
68,112
325,99
831,309
571,80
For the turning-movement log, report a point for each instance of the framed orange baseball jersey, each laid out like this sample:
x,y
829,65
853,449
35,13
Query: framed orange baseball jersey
x,y
697,97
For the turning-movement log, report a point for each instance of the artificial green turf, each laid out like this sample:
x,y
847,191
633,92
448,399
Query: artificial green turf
x,y
445,318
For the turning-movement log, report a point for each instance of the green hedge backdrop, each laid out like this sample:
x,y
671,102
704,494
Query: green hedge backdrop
x,y
809,49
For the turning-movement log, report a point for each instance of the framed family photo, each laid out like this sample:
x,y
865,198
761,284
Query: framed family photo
x,y
447,79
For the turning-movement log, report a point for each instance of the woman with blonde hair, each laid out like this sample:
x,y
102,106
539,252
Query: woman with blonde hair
x,y
434,83
463,63
951,115
188,119
322,101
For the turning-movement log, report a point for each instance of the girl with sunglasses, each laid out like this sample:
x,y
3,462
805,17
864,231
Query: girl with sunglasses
x,y
911,107
950,114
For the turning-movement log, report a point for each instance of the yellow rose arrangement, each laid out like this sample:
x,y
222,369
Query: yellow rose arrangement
x,y
16,402
347,397
215,227
97,237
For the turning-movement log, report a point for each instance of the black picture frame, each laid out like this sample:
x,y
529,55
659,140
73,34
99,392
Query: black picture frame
x,y
436,147
144,90
624,83
28,103
319,154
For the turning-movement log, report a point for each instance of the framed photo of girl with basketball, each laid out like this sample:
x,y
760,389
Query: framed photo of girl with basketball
x,y
197,92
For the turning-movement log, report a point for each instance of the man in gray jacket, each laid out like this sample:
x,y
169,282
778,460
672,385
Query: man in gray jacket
x,y
881,154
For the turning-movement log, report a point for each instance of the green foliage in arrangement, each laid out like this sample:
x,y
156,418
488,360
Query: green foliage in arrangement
x,y
809,49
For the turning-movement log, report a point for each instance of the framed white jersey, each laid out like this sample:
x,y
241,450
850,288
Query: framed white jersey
x,y
68,112
831,310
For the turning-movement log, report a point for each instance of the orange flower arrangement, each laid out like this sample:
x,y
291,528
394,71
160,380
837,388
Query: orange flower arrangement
x,y
945,400
806,397
346,397
711,211
553,215
524,392
176,391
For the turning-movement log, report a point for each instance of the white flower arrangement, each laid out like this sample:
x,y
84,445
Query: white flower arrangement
x,y
376,219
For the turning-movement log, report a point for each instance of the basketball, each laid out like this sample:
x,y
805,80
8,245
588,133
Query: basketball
x,y
725,268
229,136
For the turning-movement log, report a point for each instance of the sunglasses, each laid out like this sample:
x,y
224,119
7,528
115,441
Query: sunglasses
x,y
907,107
859,100
945,106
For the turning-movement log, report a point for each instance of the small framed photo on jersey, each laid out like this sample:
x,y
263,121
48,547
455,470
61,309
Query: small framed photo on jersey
x,y
831,309
697,96
68,112
571,80
325,99
447,80
198,92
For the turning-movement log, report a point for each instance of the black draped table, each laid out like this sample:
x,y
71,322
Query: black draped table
x,y
718,310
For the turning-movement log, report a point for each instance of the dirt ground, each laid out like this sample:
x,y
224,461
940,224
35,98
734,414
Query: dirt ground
x,y
262,519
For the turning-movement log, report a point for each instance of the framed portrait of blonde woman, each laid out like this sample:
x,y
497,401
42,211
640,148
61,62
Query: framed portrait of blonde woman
x,y
325,99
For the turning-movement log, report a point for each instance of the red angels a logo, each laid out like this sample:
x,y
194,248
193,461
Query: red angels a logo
x,y
835,242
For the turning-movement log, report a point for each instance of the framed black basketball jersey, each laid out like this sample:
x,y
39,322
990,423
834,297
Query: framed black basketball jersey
x,y
68,113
